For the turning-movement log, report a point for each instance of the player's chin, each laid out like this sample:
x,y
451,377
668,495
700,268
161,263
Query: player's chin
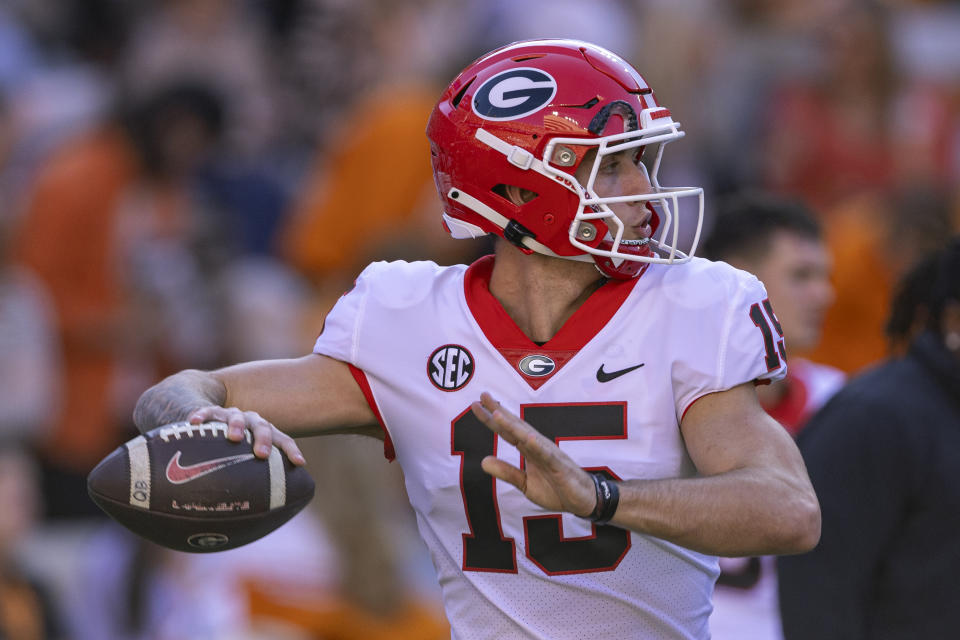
x,y
807,340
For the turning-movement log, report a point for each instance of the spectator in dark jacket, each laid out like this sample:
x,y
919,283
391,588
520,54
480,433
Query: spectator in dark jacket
x,y
884,456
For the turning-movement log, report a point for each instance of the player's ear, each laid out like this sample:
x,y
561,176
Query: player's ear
x,y
515,194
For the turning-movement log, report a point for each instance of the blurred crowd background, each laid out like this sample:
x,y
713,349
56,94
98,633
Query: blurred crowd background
x,y
190,183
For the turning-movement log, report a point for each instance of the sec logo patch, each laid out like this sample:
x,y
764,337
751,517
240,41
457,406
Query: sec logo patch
x,y
450,367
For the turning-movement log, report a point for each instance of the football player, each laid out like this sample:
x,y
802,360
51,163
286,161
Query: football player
x,y
779,241
575,415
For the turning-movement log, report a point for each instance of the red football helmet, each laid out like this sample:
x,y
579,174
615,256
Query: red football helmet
x,y
527,115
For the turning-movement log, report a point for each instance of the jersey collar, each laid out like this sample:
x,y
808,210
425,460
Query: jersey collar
x,y
507,338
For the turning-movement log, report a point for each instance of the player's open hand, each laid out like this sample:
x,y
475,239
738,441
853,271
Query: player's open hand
x,y
265,434
550,478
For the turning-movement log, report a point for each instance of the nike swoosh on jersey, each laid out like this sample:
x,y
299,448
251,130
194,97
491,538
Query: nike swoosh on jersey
x,y
178,474
604,376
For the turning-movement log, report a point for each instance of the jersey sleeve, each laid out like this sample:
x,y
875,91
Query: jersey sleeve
x,y
736,339
339,337
365,322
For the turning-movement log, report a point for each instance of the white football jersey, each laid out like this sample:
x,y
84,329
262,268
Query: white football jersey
x,y
610,388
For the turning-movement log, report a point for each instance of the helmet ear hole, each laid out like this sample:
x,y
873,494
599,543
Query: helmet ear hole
x,y
514,194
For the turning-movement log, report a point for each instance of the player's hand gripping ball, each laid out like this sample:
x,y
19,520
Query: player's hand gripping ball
x,y
187,487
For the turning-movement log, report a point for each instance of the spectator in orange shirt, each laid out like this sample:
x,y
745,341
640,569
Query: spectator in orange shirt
x,y
108,216
370,193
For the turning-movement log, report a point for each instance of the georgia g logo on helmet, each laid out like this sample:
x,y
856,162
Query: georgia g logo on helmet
x,y
514,93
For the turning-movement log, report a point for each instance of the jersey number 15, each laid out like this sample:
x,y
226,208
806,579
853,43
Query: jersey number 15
x,y
485,548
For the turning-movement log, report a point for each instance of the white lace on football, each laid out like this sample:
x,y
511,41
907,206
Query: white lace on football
x,y
180,429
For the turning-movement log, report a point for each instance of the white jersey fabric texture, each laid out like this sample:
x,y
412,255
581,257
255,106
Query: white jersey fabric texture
x,y
611,388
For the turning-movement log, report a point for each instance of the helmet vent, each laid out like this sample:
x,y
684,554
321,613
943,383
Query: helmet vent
x,y
586,105
618,108
457,98
533,56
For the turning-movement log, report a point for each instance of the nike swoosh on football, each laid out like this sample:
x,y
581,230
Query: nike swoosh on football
x,y
178,474
604,376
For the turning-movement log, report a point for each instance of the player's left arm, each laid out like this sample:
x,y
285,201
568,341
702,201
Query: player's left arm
x,y
752,497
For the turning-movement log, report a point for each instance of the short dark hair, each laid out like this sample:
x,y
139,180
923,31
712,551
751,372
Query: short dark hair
x,y
911,299
146,117
744,224
923,292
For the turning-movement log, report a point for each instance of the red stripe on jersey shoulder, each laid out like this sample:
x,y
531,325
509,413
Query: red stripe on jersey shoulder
x,y
388,451
793,408
504,334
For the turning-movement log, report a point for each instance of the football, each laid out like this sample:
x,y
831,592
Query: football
x,y
189,488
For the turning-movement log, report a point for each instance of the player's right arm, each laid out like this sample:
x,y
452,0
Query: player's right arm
x,y
274,399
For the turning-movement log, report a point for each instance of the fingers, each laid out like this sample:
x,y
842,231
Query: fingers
x,y
204,414
265,435
551,478
489,412
490,421
235,420
262,433
504,471
289,446
514,430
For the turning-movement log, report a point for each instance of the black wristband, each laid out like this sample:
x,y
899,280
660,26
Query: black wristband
x,y
608,499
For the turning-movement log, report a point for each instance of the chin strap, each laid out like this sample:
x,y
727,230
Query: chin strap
x,y
509,226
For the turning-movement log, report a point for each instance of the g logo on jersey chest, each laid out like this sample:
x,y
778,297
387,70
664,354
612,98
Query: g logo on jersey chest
x,y
537,366
450,367
514,94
